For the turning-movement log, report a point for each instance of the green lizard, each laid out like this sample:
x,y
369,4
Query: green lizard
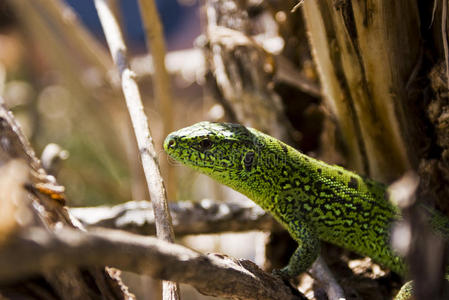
x,y
313,200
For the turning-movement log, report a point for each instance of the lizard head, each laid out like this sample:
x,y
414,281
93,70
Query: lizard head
x,y
226,152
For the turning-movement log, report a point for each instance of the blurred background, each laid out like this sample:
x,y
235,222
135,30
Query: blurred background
x,y
52,89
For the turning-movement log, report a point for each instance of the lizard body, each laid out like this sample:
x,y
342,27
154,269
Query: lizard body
x,y
313,200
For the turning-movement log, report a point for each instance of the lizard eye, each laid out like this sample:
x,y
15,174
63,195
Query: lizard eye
x,y
205,144
248,160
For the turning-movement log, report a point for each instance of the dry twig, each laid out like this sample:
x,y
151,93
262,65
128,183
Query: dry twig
x,y
320,271
162,88
35,250
444,37
203,217
133,99
84,42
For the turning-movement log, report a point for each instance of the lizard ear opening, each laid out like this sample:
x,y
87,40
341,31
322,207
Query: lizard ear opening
x,y
248,160
205,144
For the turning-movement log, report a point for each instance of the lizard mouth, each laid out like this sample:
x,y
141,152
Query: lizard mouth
x,y
202,167
178,154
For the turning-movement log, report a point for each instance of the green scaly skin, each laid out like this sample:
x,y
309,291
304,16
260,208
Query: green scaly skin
x,y
313,200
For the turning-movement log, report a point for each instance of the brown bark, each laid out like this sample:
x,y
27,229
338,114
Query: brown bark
x,y
364,58
242,70
374,59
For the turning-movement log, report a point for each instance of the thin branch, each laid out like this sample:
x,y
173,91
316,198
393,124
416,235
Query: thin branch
x,y
51,158
138,118
320,271
434,11
13,142
162,88
297,6
203,217
140,124
444,36
36,249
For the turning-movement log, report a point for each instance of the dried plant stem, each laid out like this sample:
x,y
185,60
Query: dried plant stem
x,y
55,50
162,88
145,144
202,217
321,271
444,34
81,38
217,275
155,42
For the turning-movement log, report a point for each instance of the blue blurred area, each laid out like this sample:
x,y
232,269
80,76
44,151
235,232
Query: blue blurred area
x,y
181,22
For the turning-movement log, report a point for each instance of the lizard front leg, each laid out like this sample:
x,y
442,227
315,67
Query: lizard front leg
x,y
307,251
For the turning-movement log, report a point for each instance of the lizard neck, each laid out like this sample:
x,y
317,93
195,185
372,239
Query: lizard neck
x,y
281,179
